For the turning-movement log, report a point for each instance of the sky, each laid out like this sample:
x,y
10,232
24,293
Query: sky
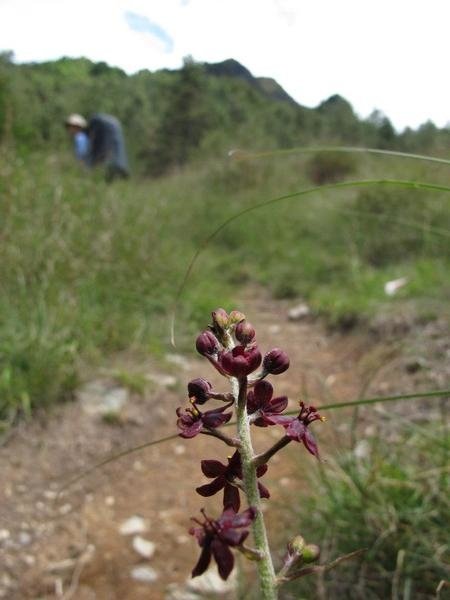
x,y
390,55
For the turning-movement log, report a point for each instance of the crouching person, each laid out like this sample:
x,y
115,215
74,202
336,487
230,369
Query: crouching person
x,y
100,142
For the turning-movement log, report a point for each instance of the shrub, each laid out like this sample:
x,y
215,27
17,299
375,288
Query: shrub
x,y
328,167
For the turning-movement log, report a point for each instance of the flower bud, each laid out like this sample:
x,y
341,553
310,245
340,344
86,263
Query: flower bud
x,y
240,362
296,545
235,317
207,344
244,332
199,389
220,319
311,552
276,361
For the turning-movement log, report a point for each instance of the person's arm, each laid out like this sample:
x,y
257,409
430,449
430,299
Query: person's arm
x,y
81,143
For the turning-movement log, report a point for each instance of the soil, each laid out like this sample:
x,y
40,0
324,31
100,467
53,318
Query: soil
x,y
66,544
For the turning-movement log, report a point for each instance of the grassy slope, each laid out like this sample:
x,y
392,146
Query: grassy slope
x,y
89,269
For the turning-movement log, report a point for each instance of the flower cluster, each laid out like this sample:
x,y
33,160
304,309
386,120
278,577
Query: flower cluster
x,y
229,344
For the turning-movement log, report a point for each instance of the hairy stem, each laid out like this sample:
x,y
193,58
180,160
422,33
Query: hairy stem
x,y
265,567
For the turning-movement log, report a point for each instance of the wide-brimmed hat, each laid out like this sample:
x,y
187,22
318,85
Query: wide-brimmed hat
x,y
76,121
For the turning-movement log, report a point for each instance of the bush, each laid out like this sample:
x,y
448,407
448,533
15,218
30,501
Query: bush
x,y
391,500
329,167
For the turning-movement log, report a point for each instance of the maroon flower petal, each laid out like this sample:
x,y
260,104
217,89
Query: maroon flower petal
x,y
263,491
279,419
252,403
212,468
212,488
277,405
231,497
223,557
296,430
243,519
214,419
310,444
263,392
261,470
191,431
233,537
203,561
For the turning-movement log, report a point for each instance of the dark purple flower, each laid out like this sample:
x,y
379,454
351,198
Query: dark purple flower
x,y
199,390
240,361
207,344
260,401
297,427
227,477
192,421
275,362
216,537
245,333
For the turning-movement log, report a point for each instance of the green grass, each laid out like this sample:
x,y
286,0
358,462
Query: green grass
x,y
394,503
88,270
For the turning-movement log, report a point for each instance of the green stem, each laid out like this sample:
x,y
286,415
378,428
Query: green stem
x,y
265,567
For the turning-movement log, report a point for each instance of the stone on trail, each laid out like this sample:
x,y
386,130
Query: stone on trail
x,y
144,574
133,526
102,398
143,547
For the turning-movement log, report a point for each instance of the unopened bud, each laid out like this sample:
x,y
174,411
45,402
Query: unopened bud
x,y
311,552
220,319
207,344
296,545
235,317
240,362
276,361
245,332
200,390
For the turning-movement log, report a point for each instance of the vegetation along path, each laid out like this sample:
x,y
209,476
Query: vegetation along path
x,y
120,533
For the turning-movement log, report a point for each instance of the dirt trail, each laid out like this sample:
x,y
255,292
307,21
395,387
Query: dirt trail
x,y
55,547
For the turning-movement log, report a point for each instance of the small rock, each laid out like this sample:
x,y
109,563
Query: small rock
x,y
50,494
133,526
179,449
143,547
179,592
102,398
392,287
299,312
362,449
211,583
29,560
4,535
144,574
110,500
24,538
65,509
182,539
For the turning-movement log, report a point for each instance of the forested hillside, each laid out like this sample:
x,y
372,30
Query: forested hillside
x,y
171,117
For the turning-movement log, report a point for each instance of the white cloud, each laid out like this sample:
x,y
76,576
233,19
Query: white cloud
x,y
383,54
